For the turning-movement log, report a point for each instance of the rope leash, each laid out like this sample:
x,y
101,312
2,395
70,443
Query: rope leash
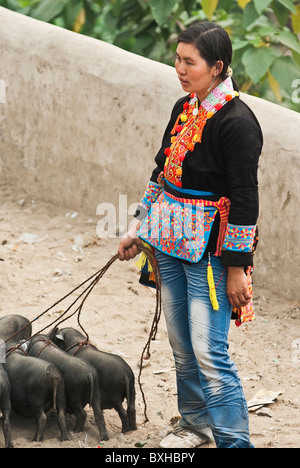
x,y
94,279
90,284
154,328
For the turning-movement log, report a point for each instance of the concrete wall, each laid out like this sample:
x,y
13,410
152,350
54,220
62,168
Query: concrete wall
x,y
83,120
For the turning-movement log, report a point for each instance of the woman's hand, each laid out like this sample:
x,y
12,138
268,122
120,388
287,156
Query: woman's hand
x,y
129,245
237,287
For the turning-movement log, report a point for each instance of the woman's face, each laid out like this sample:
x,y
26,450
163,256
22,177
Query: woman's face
x,y
193,72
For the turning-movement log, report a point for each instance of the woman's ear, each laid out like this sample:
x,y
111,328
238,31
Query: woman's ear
x,y
219,67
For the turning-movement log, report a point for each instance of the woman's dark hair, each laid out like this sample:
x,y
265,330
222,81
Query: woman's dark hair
x,y
212,42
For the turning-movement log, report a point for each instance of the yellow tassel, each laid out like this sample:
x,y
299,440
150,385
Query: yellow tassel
x,y
212,287
143,260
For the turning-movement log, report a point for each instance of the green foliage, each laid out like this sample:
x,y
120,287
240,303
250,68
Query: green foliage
x,y
264,33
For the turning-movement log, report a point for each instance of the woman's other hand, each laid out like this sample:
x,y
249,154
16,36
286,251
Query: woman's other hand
x,y
237,287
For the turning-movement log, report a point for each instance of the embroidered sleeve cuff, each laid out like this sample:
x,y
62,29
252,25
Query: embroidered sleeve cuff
x,y
151,194
239,238
238,246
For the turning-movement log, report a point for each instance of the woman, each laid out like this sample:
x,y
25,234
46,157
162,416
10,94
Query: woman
x,y
200,212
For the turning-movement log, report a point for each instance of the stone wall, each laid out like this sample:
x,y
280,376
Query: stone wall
x,y
81,121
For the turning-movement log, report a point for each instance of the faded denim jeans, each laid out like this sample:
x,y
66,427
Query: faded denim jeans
x,y
210,394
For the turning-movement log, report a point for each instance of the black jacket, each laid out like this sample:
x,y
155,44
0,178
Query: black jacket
x,y
224,163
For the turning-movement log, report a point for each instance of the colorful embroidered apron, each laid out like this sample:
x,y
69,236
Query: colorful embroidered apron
x,y
181,227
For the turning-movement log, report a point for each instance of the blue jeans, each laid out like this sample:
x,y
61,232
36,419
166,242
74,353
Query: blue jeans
x,y
210,393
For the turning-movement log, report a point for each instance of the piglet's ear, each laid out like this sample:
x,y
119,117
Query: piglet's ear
x,y
60,338
24,345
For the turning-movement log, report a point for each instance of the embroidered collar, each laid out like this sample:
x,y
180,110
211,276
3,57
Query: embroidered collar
x,y
223,92
189,126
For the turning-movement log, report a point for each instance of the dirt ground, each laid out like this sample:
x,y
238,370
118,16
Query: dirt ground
x,y
46,251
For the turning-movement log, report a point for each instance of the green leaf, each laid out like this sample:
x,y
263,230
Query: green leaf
x,y
71,12
289,40
289,4
296,21
49,9
188,5
255,39
285,71
110,23
250,15
297,59
24,3
261,5
161,10
239,44
275,86
209,7
140,444
257,62
282,14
